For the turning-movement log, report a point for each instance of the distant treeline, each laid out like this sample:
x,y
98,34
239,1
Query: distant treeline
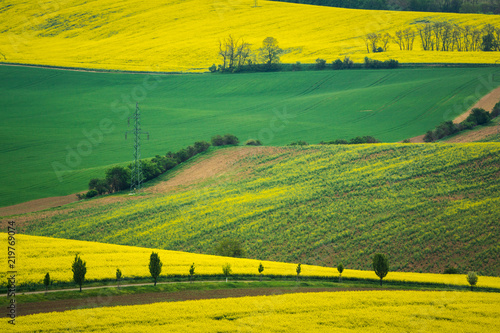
x,y
445,6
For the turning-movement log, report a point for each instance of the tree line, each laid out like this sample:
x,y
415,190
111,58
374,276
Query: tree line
x,y
438,36
477,117
380,265
117,178
445,6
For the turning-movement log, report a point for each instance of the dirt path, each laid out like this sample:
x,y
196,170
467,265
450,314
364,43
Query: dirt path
x,y
148,298
487,103
218,164
36,205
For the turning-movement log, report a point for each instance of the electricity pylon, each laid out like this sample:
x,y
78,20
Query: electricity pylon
x,y
136,177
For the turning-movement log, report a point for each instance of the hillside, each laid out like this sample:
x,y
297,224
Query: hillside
x,y
65,127
183,35
428,206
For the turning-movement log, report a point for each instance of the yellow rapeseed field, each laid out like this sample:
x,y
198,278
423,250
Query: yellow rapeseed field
x,y
35,256
366,311
183,35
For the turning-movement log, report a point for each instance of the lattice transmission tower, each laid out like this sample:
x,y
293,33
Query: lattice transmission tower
x,y
136,176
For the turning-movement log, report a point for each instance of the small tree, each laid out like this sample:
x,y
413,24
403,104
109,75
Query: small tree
x,y
298,270
191,273
380,266
79,268
472,279
340,268
155,265
46,282
118,276
226,270
261,269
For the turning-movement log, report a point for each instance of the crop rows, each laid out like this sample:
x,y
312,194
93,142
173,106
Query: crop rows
x,y
426,206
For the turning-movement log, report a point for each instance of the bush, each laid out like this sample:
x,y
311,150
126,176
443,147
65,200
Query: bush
x,y
201,146
451,270
298,143
479,116
100,185
230,248
297,66
347,63
230,139
466,125
91,194
320,63
212,68
496,110
217,141
253,142
337,64
429,136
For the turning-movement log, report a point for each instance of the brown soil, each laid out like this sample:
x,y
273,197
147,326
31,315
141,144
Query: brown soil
x,y
477,135
487,103
36,205
223,163
148,298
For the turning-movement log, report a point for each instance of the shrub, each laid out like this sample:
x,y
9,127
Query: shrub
x,y
347,63
338,64
91,194
217,141
466,125
230,139
451,270
253,142
297,66
320,63
429,136
479,116
212,68
298,143
201,146
496,110
230,248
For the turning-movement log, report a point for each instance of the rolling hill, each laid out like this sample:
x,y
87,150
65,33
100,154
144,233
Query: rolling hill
x,y
65,127
428,206
183,35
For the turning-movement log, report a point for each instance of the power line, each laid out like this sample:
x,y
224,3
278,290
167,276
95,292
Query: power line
x,y
136,177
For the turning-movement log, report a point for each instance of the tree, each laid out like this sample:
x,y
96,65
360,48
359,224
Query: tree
x,y
320,63
191,272
226,270
100,185
155,265
46,282
270,52
340,268
298,270
217,141
472,279
230,248
201,146
79,268
230,139
260,269
118,276
117,178
380,266
479,116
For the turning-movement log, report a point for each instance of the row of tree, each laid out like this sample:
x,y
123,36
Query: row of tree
x,y
446,6
438,36
117,178
79,269
477,117
237,55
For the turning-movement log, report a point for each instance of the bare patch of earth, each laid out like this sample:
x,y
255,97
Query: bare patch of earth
x,y
148,298
487,103
224,162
